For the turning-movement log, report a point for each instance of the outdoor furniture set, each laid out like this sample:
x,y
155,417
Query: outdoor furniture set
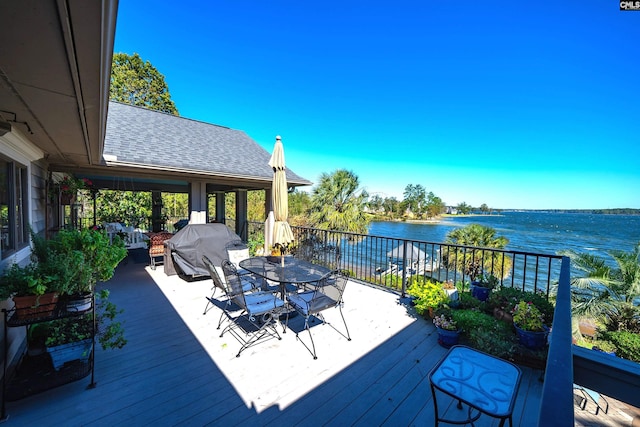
x,y
259,292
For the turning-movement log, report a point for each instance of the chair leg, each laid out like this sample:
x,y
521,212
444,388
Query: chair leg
x,y
311,350
209,301
254,337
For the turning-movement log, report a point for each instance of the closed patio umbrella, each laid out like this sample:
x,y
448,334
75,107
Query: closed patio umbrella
x,y
281,230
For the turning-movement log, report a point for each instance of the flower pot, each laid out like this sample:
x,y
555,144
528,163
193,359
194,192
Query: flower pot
x,y
447,338
67,199
479,292
500,314
78,303
64,353
35,306
532,340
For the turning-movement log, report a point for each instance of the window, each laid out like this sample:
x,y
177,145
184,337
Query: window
x,y
14,233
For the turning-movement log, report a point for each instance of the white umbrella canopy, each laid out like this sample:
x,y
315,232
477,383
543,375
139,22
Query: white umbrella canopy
x,y
282,233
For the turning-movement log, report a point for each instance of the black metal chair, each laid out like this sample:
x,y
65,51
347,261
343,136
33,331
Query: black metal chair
x,y
219,283
260,310
310,304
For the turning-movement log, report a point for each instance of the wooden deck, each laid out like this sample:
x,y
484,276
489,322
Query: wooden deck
x,y
176,370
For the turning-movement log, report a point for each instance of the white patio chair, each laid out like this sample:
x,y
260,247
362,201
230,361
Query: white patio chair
x,y
310,304
260,310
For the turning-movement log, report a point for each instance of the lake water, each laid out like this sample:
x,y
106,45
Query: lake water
x,y
539,232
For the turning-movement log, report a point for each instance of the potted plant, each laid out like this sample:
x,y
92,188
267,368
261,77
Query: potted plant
x,y
68,187
72,338
79,259
68,339
452,293
448,331
482,285
32,291
428,295
529,324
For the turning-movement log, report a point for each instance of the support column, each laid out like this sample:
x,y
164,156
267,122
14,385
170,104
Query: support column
x,y
197,202
220,207
268,202
157,223
241,215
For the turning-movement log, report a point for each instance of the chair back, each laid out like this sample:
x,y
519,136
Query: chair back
x,y
333,286
237,251
234,283
215,276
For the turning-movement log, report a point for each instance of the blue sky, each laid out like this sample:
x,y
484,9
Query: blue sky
x,y
527,105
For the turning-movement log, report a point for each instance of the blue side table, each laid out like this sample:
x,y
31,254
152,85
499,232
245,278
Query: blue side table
x,y
484,383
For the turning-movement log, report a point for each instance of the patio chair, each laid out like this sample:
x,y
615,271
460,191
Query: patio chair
x,y
310,304
156,246
219,283
260,310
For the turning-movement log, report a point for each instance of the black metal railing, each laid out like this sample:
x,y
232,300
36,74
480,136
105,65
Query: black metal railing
x,y
391,262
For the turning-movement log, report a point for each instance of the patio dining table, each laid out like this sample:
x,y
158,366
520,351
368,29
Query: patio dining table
x,y
285,271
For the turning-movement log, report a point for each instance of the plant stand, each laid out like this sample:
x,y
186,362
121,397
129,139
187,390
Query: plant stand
x,y
37,373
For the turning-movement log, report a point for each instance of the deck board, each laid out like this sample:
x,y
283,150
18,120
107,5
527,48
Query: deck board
x,y
176,370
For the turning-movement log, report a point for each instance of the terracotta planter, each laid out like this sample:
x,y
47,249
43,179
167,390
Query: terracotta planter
x,y
500,314
35,306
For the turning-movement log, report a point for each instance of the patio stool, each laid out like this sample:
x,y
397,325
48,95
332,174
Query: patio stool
x,y
484,383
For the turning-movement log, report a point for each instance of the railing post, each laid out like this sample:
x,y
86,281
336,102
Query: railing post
x,y
556,405
404,268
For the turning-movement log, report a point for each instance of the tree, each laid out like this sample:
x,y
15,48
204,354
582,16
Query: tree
x,y
133,208
375,204
607,292
391,206
474,262
434,206
415,198
484,208
337,203
464,208
139,83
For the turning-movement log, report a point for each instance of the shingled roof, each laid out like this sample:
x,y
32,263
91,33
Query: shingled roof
x,y
139,137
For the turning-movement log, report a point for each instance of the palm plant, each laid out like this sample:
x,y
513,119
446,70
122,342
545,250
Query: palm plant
x,y
474,262
607,292
338,203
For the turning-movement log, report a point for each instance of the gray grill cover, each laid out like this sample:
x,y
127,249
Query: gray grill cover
x,y
195,240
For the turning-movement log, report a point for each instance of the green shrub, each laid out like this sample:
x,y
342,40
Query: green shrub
x,y
470,320
507,298
469,302
627,344
429,294
500,342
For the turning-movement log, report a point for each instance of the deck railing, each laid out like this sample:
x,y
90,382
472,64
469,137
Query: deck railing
x,y
392,262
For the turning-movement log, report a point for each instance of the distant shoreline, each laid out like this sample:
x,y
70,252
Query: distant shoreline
x,y
437,219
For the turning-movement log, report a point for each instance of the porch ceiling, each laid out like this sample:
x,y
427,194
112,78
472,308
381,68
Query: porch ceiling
x,y
55,62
